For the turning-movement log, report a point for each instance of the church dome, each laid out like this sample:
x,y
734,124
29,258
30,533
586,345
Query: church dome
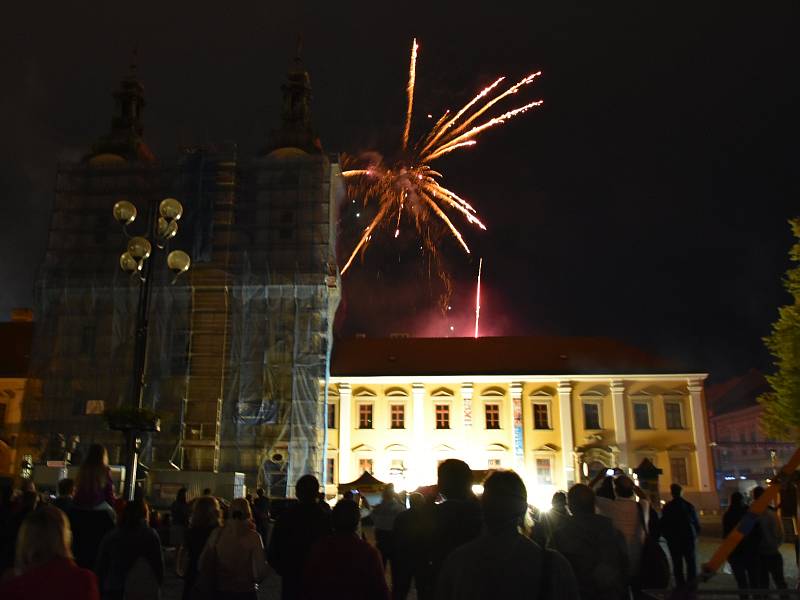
x,y
106,159
287,153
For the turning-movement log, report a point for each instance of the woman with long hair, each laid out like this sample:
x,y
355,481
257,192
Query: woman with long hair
x,y
206,517
92,514
94,485
180,512
235,555
44,564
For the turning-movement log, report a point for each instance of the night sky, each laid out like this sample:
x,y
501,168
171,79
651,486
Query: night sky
x,y
647,200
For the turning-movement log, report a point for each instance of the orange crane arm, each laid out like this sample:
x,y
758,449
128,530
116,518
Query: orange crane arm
x,y
747,522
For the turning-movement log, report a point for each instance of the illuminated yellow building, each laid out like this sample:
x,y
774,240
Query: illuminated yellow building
x,y
554,409
15,349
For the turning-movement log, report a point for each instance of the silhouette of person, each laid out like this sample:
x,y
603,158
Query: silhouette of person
x,y
502,563
342,566
454,522
680,526
769,547
594,548
744,559
296,531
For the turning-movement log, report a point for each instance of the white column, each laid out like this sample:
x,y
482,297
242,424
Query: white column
x,y
467,391
419,474
472,453
345,427
565,423
515,408
620,428
697,407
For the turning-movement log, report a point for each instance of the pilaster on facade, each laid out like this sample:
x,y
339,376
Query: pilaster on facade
x,y
697,408
345,426
617,387
418,414
565,424
467,391
516,423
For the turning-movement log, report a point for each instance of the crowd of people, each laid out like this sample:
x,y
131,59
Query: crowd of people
x,y
597,542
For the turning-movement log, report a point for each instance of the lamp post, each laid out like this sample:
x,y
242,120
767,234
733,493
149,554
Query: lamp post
x,y
137,260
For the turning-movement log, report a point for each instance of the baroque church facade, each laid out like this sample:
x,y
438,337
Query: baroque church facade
x,y
237,345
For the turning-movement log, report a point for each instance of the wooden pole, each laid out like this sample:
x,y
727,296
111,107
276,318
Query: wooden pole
x,y
749,520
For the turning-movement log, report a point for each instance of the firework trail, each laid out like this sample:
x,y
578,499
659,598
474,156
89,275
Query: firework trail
x,y
409,185
412,78
478,298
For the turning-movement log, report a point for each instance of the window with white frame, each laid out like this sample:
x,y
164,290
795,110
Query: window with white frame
x,y
679,470
674,414
330,475
398,416
641,415
541,415
494,463
365,464
591,415
492,410
544,470
442,416
331,416
365,416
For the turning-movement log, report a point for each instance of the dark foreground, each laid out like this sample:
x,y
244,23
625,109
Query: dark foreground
x,y
271,588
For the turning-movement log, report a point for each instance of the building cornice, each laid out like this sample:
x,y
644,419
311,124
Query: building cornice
x,y
480,379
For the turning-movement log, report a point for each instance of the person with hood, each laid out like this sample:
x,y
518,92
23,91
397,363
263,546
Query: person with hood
x,y
234,556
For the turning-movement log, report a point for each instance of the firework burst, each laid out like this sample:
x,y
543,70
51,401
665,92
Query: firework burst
x,y
410,186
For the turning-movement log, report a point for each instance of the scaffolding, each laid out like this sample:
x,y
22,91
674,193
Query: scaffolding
x,y
236,349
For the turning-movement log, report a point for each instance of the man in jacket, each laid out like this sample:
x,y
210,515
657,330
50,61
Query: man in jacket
x,y
452,523
410,528
296,531
680,526
383,515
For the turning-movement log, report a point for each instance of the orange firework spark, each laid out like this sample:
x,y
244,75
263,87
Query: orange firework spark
x,y
411,186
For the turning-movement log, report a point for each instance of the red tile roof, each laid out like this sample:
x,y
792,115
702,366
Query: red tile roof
x,y
491,356
736,393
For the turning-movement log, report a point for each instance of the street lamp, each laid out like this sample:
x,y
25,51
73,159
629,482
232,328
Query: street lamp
x,y
137,260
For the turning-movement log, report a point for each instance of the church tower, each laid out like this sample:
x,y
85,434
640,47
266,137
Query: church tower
x,y
125,139
85,305
238,345
296,130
